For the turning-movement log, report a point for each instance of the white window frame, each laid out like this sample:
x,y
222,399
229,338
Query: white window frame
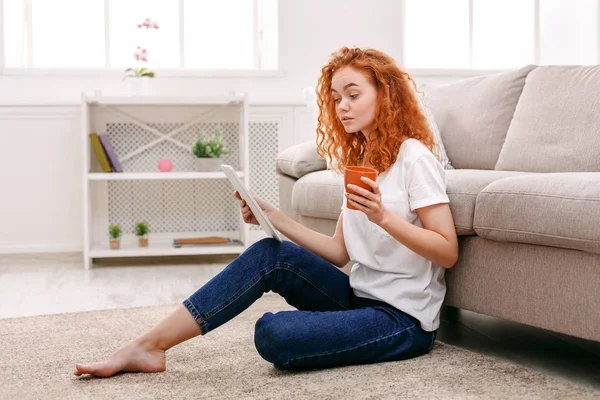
x,y
446,72
1,36
180,72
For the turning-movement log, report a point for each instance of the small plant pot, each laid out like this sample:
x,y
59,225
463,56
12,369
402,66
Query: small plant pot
x,y
207,164
115,244
138,86
143,241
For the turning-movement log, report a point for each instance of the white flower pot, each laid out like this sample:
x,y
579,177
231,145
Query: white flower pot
x,y
138,86
207,164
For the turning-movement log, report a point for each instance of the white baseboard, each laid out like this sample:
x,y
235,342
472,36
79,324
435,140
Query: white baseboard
x,y
37,248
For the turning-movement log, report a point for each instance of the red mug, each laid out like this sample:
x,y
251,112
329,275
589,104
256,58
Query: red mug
x,y
352,175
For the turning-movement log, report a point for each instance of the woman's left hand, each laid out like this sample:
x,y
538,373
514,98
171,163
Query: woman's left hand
x,y
367,202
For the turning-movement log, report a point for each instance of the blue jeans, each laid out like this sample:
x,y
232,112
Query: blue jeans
x,y
331,326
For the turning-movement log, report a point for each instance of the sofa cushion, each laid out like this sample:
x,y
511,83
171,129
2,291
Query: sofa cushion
x,y
319,194
300,159
463,186
553,209
474,115
556,126
440,150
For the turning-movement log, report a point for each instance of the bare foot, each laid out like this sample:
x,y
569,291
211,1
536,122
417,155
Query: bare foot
x,y
136,356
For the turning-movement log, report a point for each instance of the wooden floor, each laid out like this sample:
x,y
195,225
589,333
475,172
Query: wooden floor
x,y
49,284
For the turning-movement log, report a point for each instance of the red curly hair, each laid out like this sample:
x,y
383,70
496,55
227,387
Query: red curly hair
x,y
398,115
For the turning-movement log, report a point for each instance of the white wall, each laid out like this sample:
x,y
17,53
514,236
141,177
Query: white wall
x,y
309,31
40,162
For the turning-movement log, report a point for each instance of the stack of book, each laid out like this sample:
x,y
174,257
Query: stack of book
x,y
105,153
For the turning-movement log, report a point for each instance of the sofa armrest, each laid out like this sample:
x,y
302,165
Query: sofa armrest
x,y
299,160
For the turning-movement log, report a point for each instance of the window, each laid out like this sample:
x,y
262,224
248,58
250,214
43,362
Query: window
x,y
500,34
437,33
569,32
503,34
203,34
78,40
215,19
162,44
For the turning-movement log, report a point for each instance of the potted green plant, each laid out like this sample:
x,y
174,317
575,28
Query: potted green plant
x,y
141,231
208,152
114,232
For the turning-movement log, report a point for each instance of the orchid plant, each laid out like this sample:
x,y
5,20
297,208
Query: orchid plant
x,y
141,54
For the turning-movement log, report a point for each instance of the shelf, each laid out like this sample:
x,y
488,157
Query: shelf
x,y
162,249
105,204
141,176
164,100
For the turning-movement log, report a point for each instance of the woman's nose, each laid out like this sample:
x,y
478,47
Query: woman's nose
x,y
343,104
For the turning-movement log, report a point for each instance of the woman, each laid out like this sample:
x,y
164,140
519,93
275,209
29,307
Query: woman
x,y
401,239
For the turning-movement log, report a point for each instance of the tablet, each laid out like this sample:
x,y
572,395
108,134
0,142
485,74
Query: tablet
x,y
262,219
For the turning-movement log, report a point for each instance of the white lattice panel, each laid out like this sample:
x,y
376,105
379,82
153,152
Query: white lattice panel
x,y
263,148
187,205
173,206
128,137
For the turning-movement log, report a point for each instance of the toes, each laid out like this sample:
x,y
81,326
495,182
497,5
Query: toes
x,y
85,369
81,368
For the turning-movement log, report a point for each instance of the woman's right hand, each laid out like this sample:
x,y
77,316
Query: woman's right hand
x,y
247,214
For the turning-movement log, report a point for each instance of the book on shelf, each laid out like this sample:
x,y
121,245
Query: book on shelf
x,y
201,241
100,153
110,152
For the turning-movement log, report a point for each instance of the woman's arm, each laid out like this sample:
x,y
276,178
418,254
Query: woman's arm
x,y
330,248
436,241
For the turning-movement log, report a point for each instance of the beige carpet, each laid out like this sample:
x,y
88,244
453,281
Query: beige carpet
x,y
38,356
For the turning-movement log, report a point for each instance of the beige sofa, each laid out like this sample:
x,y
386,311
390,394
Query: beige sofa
x,y
525,194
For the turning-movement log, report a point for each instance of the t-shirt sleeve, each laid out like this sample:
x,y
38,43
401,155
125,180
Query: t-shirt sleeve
x,y
426,181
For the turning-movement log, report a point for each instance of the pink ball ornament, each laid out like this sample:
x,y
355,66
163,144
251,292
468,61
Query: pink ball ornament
x,y
165,165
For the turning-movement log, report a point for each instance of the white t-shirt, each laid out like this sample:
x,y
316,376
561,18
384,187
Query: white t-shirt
x,y
384,269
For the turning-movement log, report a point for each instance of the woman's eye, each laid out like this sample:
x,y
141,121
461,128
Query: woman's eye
x,y
337,100
354,96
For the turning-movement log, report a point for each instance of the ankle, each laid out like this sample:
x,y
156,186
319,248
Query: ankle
x,y
149,342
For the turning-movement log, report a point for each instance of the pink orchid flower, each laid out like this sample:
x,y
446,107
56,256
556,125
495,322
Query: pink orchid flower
x,y
141,54
148,24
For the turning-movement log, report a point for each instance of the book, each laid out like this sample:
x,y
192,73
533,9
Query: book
x,y
204,241
99,151
110,152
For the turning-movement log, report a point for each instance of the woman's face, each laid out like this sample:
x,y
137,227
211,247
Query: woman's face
x,y
355,100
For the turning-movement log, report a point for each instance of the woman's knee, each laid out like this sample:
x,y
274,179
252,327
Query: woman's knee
x,y
263,244
264,248
269,340
261,254
270,251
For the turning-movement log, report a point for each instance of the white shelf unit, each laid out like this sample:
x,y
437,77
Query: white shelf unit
x,y
143,130
140,176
